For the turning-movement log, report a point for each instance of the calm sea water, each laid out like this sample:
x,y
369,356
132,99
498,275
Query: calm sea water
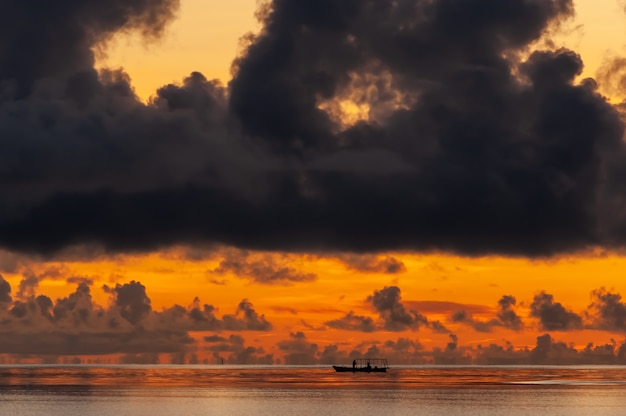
x,y
318,391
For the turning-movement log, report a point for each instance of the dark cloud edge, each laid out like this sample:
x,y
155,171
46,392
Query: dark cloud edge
x,y
482,156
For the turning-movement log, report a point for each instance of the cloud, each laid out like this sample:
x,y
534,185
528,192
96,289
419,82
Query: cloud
x,y
232,350
547,350
462,316
607,311
5,291
455,116
474,136
297,350
333,355
393,313
27,287
553,316
246,318
494,354
396,317
373,264
353,322
59,38
264,269
75,325
506,317
446,307
452,354
132,301
202,317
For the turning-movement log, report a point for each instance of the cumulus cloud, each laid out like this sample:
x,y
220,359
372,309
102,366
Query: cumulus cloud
x,y
607,310
132,301
235,351
396,317
552,315
298,350
76,325
246,318
454,115
405,351
506,317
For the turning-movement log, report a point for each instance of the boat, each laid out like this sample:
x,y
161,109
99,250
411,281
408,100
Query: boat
x,y
364,365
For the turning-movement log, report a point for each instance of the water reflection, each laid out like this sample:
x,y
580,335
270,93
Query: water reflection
x,y
315,391
317,377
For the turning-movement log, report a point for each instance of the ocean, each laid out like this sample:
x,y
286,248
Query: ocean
x,y
60,390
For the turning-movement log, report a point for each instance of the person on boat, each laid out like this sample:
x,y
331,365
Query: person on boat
x,y
353,364
369,367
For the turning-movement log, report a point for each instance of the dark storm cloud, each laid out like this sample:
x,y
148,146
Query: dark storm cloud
x,y
43,39
75,325
468,147
552,315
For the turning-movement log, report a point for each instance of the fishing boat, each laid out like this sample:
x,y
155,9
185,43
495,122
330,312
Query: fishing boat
x,y
364,365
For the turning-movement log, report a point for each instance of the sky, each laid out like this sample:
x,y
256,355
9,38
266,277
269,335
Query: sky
x,y
313,181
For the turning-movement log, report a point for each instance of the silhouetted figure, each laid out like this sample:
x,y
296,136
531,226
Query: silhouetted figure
x,y
369,367
353,365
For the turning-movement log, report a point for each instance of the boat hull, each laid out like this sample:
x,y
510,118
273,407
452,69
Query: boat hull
x,y
341,369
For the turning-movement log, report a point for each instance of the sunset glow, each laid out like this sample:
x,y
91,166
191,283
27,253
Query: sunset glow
x,y
259,182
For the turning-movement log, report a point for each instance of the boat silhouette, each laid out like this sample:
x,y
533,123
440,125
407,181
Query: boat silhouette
x,y
364,365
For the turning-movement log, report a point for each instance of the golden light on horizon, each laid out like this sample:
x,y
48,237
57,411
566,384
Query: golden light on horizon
x,y
314,284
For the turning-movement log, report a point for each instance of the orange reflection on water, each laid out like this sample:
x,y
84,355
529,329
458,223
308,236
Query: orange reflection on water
x,y
307,377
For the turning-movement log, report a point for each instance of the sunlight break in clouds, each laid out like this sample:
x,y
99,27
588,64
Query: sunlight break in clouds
x,y
352,137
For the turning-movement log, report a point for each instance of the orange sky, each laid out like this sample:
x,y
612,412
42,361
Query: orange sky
x,y
205,38
429,284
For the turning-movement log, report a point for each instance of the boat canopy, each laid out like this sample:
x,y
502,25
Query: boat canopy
x,y
370,362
